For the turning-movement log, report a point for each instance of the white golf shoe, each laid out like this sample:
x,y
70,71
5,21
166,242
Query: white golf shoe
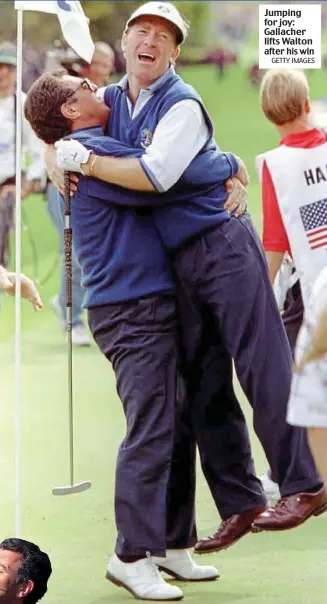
x,y
80,336
179,564
270,487
142,579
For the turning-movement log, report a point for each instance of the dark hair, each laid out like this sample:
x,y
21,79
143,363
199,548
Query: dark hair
x,y
43,107
35,566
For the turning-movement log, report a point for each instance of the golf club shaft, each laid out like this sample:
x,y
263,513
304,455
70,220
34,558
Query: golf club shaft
x,y
70,394
68,269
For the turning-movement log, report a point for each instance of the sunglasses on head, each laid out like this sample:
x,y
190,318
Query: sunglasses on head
x,y
86,84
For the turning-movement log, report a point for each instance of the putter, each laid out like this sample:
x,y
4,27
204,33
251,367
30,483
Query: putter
x,y
82,486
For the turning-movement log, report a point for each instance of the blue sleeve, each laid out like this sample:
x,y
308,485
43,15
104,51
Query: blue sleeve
x,y
219,167
106,145
233,163
109,94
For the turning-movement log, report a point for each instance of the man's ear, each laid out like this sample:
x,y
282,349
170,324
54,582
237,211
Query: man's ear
x,y
176,53
69,111
307,106
24,589
123,42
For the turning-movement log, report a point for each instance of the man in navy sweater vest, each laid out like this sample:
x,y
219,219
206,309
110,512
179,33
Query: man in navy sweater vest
x,y
218,260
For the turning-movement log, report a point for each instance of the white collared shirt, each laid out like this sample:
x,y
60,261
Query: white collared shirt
x,y
177,139
30,143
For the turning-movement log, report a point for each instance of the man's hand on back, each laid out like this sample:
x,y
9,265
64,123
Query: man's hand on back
x,y
242,173
55,174
237,198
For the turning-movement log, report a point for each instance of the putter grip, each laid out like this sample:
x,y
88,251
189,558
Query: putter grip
x,y
68,241
68,265
67,193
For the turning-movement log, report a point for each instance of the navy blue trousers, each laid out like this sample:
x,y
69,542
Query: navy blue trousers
x,y
293,314
292,318
155,472
224,274
217,420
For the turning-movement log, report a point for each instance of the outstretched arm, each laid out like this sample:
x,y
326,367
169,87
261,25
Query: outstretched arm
x,y
28,289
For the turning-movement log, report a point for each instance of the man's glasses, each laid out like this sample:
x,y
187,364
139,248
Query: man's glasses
x,y
86,84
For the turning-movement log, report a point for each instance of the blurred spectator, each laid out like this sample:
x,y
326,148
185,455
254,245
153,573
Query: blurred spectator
x,y
100,68
220,57
33,174
32,65
120,62
256,74
102,65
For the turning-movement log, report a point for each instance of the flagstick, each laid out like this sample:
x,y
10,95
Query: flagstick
x,y
18,360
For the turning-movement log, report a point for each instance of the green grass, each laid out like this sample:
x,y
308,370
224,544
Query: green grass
x,y
79,531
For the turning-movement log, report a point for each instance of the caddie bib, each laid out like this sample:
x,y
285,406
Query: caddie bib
x,y
300,180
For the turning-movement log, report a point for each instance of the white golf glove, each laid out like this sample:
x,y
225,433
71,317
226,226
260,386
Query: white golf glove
x,y
70,155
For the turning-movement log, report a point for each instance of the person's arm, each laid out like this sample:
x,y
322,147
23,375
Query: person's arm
x,y
274,261
4,279
274,238
124,172
178,138
103,146
236,200
80,152
28,289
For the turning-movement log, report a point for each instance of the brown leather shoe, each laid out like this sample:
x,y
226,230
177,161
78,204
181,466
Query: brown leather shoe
x,y
291,511
230,531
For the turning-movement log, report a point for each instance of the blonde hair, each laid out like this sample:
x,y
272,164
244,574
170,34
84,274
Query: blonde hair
x,y
283,93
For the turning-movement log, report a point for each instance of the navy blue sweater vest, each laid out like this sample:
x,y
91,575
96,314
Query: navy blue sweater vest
x,y
195,203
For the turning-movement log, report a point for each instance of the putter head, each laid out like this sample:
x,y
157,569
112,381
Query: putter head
x,y
70,490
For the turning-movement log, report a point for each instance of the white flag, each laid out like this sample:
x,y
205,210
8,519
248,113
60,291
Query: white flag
x,y
74,24
45,6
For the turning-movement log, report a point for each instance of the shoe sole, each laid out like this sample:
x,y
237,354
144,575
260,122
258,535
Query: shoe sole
x,y
317,512
180,578
219,549
118,583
